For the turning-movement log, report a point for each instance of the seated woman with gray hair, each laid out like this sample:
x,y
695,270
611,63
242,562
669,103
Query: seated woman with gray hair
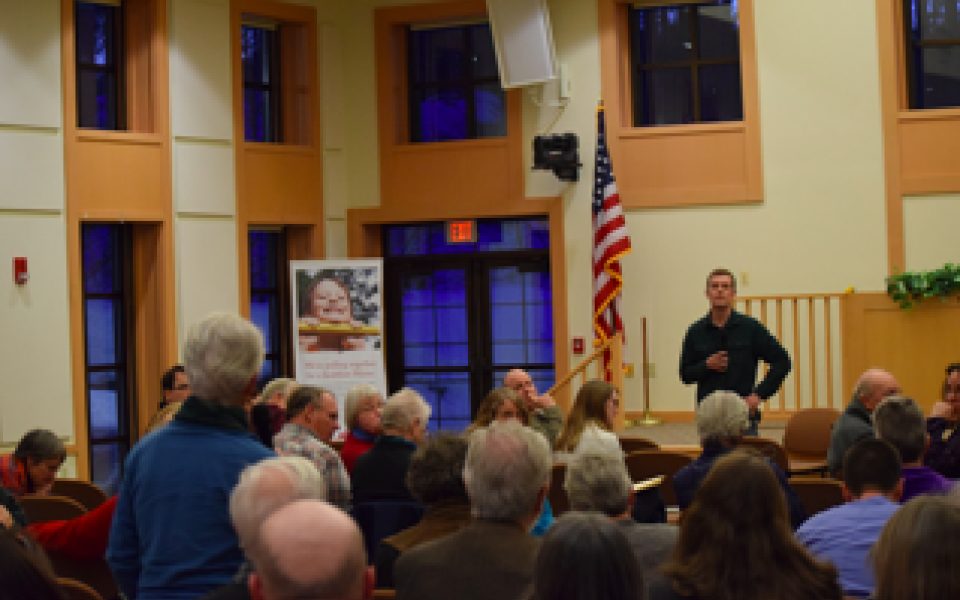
x,y
363,407
722,417
33,466
381,473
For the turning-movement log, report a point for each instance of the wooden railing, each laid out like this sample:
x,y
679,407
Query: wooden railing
x,y
809,327
615,345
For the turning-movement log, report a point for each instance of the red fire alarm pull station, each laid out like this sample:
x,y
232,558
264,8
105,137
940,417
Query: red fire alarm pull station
x,y
578,345
20,273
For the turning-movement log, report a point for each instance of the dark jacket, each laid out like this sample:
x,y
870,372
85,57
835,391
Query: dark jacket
x,y
853,425
943,456
381,472
747,342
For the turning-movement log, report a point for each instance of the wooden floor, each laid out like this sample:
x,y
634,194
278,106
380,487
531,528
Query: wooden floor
x,y
685,434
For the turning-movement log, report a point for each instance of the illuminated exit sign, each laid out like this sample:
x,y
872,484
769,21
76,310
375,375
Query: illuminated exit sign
x,y
461,232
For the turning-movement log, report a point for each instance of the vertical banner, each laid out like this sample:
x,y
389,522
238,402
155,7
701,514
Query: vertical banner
x,y
338,324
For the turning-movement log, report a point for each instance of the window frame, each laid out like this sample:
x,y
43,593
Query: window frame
x,y
280,330
273,89
910,46
118,68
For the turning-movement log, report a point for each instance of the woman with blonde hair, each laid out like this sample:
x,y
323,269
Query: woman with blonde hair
x,y
589,426
501,404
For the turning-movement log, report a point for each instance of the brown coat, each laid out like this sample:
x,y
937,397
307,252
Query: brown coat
x,y
483,560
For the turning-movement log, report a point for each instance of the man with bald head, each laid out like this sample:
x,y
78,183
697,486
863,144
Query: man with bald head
x,y
855,423
309,550
545,415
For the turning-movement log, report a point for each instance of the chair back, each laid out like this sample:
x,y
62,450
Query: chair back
x,y
807,434
87,494
75,590
40,509
635,444
559,502
384,594
817,495
94,574
379,519
768,448
337,445
647,464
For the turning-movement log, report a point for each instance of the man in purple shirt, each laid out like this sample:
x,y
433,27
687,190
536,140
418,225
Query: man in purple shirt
x,y
899,421
844,534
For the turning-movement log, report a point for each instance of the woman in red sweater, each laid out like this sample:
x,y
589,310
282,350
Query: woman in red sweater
x,y
363,406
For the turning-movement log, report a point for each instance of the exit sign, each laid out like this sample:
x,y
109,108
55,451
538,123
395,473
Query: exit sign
x,y
461,232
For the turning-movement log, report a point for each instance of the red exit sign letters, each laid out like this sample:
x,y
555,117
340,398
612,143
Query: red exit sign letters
x,y
461,232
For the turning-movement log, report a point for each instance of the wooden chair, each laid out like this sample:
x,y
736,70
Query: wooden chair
x,y
807,439
337,445
384,594
559,502
818,495
769,448
93,574
75,590
87,494
647,464
636,444
40,509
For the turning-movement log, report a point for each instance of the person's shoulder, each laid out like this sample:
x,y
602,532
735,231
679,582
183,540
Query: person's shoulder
x,y
699,324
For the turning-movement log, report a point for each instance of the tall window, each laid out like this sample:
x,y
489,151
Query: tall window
x,y
269,304
454,85
685,63
261,83
108,361
99,36
933,52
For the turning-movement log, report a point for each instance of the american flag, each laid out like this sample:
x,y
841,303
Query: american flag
x,y
610,243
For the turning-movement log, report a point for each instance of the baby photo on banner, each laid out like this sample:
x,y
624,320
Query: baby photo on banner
x,y
338,324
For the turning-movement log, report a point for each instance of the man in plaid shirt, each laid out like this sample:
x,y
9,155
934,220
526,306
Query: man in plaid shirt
x,y
311,422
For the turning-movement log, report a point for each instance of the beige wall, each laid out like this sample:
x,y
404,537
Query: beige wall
x,y
929,224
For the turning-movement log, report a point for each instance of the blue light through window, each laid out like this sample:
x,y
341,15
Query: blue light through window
x,y
99,72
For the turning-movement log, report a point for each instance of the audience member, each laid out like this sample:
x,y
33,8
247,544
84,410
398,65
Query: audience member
x,y
309,550
311,423
363,406
33,466
176,386
600,482
855,424
736,544
25,574
435,479
501,404
899,421
171,536
918,554
381,473
845,534
586,557
507,475
943,455
545,416
263,488
589,426
163,416
268,412
722,417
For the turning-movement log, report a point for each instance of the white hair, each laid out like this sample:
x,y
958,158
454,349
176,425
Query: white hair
x,y
599,481
223,352
266,486
280,385
722,415
507,466
403,408
354,401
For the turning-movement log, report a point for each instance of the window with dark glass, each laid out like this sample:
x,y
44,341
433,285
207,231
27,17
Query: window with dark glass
x,y
685,64
268,299
260,58
100,86
454,84
107,329
933,53
459,316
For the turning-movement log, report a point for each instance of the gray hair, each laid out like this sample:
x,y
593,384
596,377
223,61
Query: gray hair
x,y
899,421
354,401
507,466
436,469
222,353
266,486
280,385
722,415
403,408
598,481
40,445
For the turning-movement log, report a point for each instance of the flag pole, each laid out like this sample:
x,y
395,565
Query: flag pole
x,y
647,420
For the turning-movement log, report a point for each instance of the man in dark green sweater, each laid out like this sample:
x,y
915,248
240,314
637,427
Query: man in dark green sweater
x,y
722,350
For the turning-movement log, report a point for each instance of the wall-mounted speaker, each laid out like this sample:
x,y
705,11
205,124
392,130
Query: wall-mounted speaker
x,y
523,40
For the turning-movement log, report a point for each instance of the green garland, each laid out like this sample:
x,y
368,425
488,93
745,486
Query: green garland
x,y
910,287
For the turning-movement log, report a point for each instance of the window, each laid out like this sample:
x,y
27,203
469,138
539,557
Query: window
x,y
454,85
108,361
685,64
260,55
99,36
269,305
933,53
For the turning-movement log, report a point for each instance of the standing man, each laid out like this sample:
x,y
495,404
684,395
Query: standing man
x,y
545,415
176,386
721,351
